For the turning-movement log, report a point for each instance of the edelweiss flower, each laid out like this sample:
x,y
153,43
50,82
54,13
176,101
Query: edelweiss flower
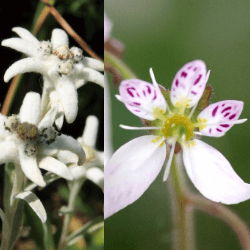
x,y
32,143
94,158
63,69
135,165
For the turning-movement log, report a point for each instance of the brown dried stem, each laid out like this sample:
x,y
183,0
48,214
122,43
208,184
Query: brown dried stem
x,y
70,31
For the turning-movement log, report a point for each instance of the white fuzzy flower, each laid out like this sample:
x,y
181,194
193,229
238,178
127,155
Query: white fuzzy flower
x,y
135,165
63,69
94,158
33,143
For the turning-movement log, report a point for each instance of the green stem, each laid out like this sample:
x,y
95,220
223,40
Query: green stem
x,y
119,65
75,187
182,212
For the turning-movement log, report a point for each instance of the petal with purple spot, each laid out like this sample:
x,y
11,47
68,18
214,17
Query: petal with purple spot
x,y
220,117
141,98
189,83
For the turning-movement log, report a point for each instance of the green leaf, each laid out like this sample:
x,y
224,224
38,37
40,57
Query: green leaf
x,y
34,203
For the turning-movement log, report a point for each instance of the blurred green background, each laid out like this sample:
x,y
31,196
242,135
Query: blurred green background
x,y
166,34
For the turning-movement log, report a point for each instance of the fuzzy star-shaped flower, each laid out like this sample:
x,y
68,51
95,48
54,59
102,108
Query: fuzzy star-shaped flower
x,y
63,69
94,158
172,119
32,143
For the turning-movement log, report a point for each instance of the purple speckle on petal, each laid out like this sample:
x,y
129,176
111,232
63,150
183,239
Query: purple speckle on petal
x,y
224,110
232,116
198,79
219,130
194,93
224,125
215,111
177,83
137,94
149,90
210,130
190,67
137,110
136,103
155,95
223,104
144,93
183,74
195,68
130,93
226,114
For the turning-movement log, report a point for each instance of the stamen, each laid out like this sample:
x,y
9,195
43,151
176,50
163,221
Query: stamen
x,y
159,113
157,87
192,111
166,172
138,128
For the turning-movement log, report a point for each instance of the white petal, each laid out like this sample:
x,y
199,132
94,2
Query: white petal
x,y
220,117
59,37
67,157
30,168
9,152
26,35
212,174
48,119
59,120
21,45
23,66
30,110
79,172
92,75
141,98
80,82
55,166
96,175
65,142
130,171
3,131
93,63
69,99
189,83
90,131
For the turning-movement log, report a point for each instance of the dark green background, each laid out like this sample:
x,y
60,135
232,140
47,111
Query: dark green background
x,y
166,34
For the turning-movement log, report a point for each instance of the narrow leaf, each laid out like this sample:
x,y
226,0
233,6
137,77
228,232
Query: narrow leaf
x,y
34,203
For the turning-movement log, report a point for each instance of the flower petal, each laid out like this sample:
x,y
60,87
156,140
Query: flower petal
x,y
93,63
67,157
189,83
96,175
220,117
130,171
3,131
30,110
49,118
141,98
30,168
50,164
92,75
26,35
65,142
90,131
69,99
212,174
21,45
23,66
59,37
9,152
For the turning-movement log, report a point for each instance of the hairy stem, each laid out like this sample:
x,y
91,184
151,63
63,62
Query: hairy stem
x,y
74,190
182,212
15,215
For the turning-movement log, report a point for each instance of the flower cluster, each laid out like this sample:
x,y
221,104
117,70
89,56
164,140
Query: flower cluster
x,y
64,69
173,119
32,142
